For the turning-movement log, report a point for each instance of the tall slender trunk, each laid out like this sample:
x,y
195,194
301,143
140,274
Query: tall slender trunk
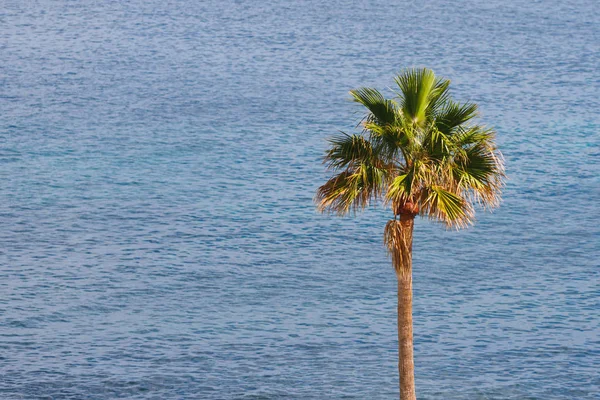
x,y
406,366
398,237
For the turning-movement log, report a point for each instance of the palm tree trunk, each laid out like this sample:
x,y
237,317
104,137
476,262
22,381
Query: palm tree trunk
x,y
399,239
406,366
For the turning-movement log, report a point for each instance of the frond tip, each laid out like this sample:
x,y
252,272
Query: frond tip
x,y
382,110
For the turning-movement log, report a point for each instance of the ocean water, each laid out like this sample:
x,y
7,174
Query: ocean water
x,y
158,239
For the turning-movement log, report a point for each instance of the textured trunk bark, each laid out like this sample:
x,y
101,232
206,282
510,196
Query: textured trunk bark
x,y
406,368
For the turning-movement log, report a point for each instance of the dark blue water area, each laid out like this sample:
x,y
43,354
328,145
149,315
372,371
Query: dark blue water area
x,y
158,240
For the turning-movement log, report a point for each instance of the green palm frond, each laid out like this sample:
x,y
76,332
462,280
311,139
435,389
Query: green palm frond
x,y
363,180
417,88
347,150
481,173
474,135
437,143
453,115
391,141
351,189
447,207
400,188
337,194
440,95
382,110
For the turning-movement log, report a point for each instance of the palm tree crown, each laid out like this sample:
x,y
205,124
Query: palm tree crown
x,y
420,152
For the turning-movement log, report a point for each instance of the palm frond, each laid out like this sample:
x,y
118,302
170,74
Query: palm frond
x,y
453,115
346,150
439,96
400,189
474,135
352,189
437,144
417,88
481,173
382,110
447,207
391,142
337,194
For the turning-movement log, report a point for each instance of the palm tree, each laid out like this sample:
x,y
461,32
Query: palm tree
x,y
421,153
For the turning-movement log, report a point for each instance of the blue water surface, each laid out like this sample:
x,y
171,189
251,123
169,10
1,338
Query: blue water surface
x,y
158,239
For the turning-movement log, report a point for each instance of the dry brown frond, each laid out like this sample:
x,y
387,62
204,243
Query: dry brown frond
x,y
397,237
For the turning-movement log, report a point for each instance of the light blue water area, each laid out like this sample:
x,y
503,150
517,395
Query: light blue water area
x,y
158,238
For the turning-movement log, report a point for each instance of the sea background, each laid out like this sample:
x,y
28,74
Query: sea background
x,y
158,237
